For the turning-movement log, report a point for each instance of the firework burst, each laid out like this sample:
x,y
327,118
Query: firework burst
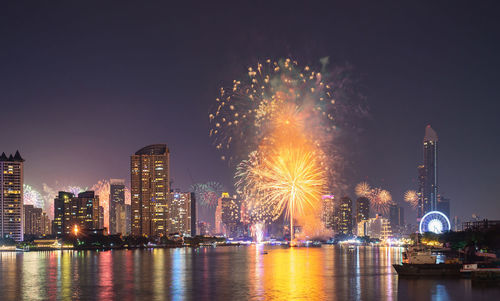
x,y
32,197
363,189
279,121
411,197
208,193
246,110
380,199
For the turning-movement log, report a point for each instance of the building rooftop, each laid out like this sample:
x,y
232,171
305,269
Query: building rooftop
x,y
16,158
153,149
430,134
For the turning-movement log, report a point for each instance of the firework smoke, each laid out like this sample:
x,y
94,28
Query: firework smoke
x,y
208,193
278,124
101,188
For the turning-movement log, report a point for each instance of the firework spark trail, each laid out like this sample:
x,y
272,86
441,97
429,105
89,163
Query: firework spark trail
x,y
380,199
411,197
32,197
244,111
208,193
279,122
257,231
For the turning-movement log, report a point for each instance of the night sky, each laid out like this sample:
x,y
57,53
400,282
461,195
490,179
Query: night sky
x,y
83,85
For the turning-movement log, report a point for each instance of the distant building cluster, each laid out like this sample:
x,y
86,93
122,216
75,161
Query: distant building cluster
x,y
341,217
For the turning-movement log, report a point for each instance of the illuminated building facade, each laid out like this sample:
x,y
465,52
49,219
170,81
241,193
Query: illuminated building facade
x,y
377,227
116,198
344,215
150,189
101,217
230,215
362,209
70,211
120,217
62,212
128,218
328,214
182,213
11,197
219,227
428,173
36,222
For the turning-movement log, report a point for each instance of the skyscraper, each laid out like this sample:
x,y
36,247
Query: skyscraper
x,y
428,173
362,209
116,197
62,213
182,213
120,219
150,188
36,222
11,196
344,213
128,219
396,218
230,215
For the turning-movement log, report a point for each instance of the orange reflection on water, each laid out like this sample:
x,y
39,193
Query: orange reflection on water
x,y
294,273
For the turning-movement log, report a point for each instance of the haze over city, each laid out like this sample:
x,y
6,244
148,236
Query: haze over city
x,y
98,88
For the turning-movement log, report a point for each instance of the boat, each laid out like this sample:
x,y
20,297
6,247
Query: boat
x,y
418,261
428,269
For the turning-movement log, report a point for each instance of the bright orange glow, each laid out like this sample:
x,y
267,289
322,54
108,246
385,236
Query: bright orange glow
x,y
286,174
75,230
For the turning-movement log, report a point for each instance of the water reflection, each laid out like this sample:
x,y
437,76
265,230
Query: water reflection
x,y
237,273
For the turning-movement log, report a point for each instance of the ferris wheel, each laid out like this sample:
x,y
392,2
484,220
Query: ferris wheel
x,y
434,221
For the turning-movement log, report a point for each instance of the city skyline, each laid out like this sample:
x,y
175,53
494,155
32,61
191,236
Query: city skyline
x,y
384,144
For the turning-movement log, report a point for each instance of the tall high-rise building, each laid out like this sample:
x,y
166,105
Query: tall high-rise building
x,y
150,188
36,221
362,209
328,214
128,218
11,196
101,217
421,184
229,209
116,197
62,213
396,218
70,211
344,214
428,173
120,212
182,213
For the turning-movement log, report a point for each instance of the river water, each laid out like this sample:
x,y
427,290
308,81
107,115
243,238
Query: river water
x,y
223,273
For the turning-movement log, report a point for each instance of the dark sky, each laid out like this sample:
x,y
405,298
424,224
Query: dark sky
x,y
85,84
